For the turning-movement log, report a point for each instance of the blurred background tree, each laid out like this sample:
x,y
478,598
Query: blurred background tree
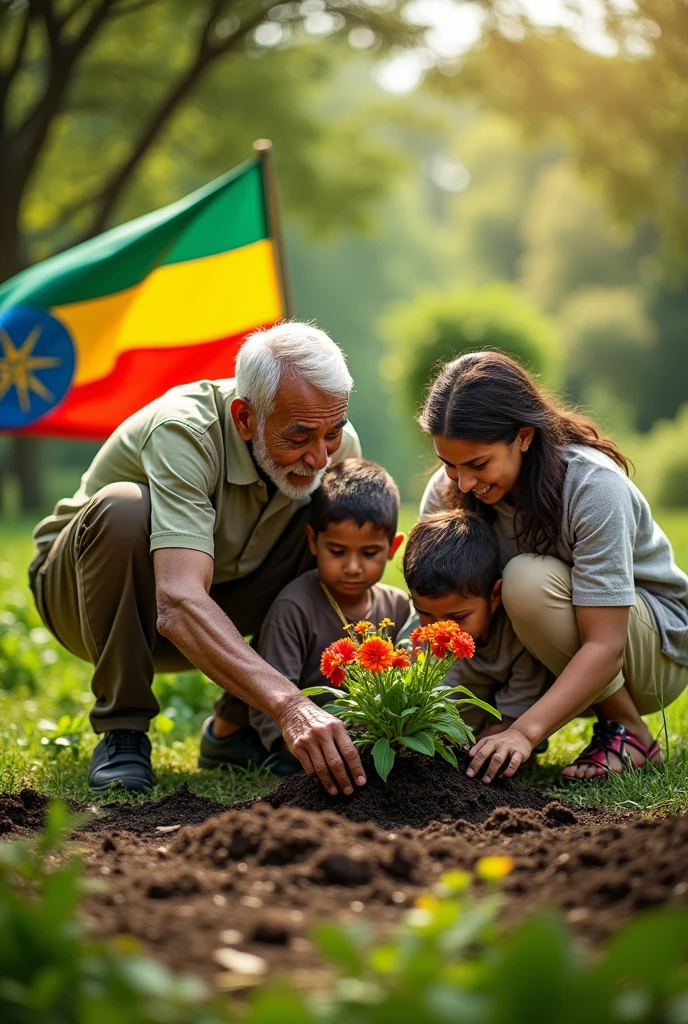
x,y
439,326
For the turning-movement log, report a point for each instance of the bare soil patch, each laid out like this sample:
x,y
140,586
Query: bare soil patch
x,y
188,881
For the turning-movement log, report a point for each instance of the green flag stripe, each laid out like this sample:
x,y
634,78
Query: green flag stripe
x,y
226,214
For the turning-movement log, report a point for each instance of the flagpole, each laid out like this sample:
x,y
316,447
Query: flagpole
x,y
263,149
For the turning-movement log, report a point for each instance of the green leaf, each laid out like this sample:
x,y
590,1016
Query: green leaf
x,y
395,698
335,942
408,711
481,704
456,689
452,727
383,756
313,691
446,753
422,742
335,709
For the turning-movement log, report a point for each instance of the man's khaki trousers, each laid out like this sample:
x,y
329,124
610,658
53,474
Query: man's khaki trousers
x,y
537,596
95,591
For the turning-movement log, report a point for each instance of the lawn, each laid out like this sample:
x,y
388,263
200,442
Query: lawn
x,y
45,739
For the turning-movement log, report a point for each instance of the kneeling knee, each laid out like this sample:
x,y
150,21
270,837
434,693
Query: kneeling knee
x,y
525,580
120,510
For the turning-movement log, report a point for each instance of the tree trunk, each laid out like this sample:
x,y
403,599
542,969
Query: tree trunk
x,y
25,461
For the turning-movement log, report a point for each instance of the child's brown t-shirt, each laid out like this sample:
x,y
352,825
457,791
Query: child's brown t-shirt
x,y
299,626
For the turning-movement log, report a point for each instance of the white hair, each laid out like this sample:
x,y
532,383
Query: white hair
x,y
289,349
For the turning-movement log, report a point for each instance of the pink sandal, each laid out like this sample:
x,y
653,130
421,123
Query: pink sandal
x,y
611,738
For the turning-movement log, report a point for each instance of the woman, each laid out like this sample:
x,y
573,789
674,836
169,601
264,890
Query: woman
x,y
590,583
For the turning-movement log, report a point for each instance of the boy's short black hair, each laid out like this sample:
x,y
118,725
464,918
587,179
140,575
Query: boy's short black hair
x,y
358,490
455,552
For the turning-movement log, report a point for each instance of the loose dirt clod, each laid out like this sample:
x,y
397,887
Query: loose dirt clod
x,y
156,815
224,879
21,812
419,790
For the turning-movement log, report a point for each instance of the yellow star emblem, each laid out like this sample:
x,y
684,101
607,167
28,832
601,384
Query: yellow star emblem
x,y
17,368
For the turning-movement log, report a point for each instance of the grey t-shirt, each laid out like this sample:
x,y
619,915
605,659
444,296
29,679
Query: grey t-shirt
x,y
609,539
301,623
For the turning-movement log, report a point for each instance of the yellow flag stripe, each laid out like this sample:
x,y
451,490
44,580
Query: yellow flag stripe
x,y
178,304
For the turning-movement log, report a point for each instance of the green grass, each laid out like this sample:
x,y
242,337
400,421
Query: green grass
x,y
46,742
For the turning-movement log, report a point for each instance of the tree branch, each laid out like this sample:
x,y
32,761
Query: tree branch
x,y
32,133
7,76
206,53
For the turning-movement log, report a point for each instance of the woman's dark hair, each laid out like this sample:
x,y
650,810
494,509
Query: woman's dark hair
x,y
452,553
488,397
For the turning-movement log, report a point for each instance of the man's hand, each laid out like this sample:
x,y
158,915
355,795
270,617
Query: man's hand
x,y
322,745
509,746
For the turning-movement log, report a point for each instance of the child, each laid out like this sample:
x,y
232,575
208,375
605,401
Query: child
x,y
353,534
451,566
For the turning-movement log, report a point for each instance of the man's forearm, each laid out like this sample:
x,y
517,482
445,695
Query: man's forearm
x,y
210,640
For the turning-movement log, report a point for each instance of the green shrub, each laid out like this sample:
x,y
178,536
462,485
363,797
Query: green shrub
x,y
673,488
437,327
660,460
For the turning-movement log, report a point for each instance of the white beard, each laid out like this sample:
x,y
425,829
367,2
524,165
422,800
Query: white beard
x,y
280,476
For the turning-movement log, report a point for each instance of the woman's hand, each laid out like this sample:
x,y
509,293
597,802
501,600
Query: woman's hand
x,y
494,751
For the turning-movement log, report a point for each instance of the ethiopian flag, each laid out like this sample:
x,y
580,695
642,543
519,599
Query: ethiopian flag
x,y
89,336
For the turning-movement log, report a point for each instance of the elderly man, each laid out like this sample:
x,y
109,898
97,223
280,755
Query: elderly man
x,y
186,525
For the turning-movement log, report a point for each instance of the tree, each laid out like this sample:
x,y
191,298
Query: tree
x,y
74,93
94,129
439,326
622,114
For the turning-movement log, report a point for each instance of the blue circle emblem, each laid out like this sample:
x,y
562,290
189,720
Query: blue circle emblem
x,y
37,362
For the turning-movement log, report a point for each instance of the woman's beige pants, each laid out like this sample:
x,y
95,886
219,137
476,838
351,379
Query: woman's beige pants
x,y
537,598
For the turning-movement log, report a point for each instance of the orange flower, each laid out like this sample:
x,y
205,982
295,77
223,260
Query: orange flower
x,y
363,626
375,654
418,636
440,636
463,645
401,660
341,652
386,623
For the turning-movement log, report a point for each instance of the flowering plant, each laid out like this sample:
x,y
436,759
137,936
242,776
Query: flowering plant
x,y
395,699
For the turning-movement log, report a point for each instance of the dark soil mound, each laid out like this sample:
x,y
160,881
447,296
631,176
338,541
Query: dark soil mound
x,y
21,812
419,790
179,808
258,879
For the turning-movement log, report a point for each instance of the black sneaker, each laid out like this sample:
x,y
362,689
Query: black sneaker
x,y
242,749
282,763
123,757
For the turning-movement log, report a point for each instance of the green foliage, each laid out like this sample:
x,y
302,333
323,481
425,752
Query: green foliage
x,y
437,327
395,708
52,973
660,457
607,337
449,962
570,241
622,113
673,492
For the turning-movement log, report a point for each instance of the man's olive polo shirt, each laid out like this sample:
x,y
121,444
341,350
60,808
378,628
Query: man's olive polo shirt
x,y
206,492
